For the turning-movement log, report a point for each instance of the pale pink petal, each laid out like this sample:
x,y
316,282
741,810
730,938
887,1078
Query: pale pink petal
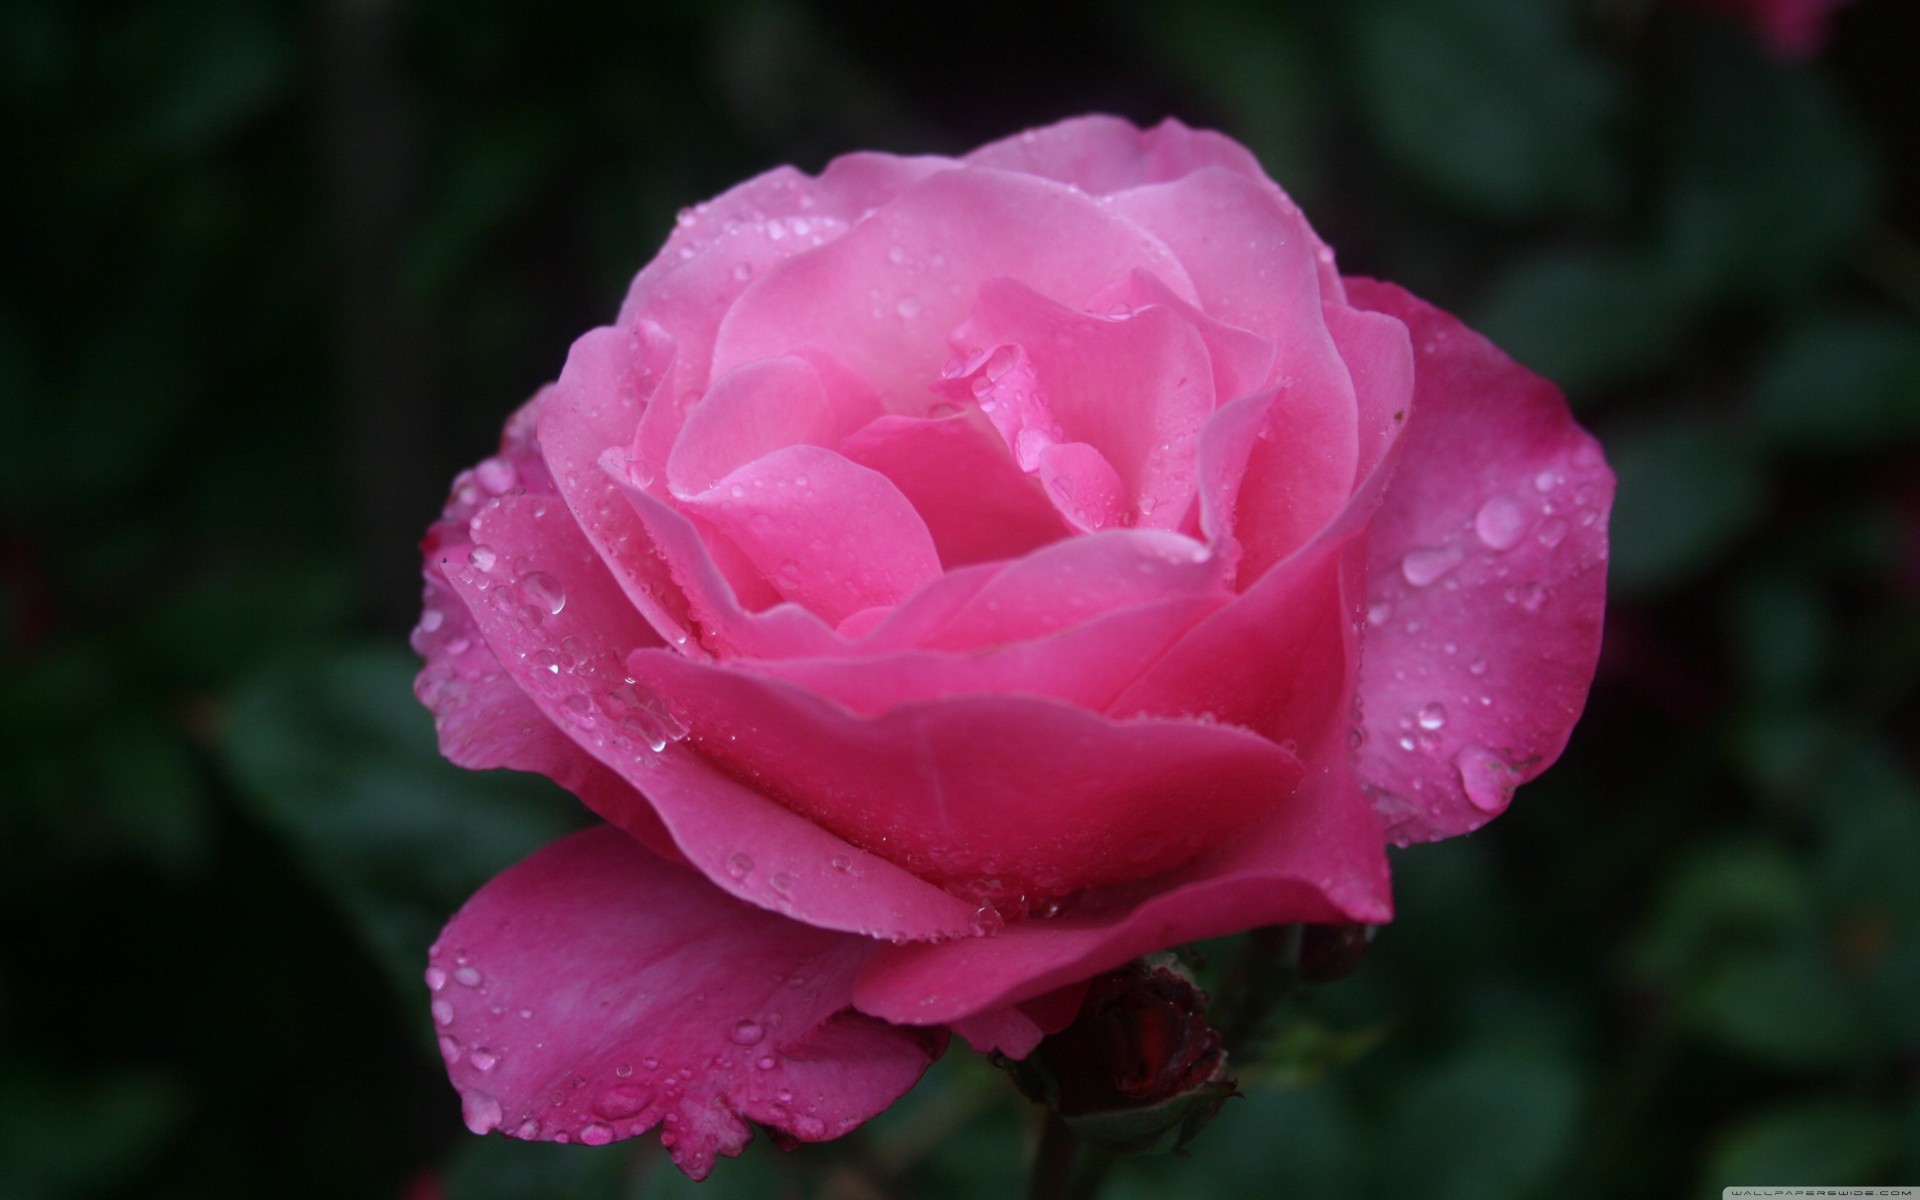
x,y
1135,388
1083,486
1486,582
1243,361
594,992
886,294
610,377
1101,154
757,408
947,790
721,246
561,642
1316,857
977,503
830,534
483,719
1253,259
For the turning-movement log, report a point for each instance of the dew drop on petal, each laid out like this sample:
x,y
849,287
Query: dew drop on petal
x,y
466,977
483,1060
545,591
1433,716
483,557
619,1103
748,1032
595,1135
1422,567
1485,776
481,1112
1500,522
739,866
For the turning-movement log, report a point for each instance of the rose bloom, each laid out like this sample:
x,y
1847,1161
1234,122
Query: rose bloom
x,y
952,579
1794,29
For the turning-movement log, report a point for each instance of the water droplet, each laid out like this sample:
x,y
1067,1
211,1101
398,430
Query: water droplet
x,y
449,1049
809,1127
743,272
1433,716
1500,522
1422,567
1485,776
767,1062
436,978
651,1064
1532,597
619,1103
595,1135
1379,613
529,1130
431,620
908,307
544,591
442,1013
1477,667
483,557
483,1060
1552,532
496,475
1406,743
1547,480
747,1032
466,977
986,921
782,882
739,866
841,862
481,1112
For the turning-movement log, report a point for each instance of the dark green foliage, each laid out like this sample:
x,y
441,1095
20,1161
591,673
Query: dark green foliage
x,y
272,273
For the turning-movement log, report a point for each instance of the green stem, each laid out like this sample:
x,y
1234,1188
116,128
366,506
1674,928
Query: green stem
x,y
1060,1170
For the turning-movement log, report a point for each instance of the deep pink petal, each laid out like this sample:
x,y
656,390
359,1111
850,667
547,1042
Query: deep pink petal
x,y
977,503
1057,587
566,659
1136,389
1086,665
830,534
886,294
1101,154
1316,857
1486,582
594,991
947,790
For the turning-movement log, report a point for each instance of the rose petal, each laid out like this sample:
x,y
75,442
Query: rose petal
x,y
1486,582
885,295
977,504
483,719
758,408
1135,389
1101,154
1242,360
947,789
593,992
830,534
1316,857
568,663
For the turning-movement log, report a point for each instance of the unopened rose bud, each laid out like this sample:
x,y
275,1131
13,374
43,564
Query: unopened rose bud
x,y
1141,1069
1329,952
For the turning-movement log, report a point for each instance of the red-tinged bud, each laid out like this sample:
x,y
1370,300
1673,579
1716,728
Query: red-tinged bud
x,y
1140,1069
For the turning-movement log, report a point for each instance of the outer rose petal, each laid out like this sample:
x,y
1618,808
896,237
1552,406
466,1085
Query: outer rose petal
x,y
1317,857
568,663
1102,154
1491,549
948,789
594,991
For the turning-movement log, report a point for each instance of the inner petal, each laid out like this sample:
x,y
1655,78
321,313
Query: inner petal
x,y
1134,388
830,535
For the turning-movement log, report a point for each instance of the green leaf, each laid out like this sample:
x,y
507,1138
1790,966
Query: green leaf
x,y
1491,103
1480,1127
337,756
1833,1142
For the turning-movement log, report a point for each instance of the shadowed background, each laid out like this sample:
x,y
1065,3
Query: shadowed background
x,y
273,273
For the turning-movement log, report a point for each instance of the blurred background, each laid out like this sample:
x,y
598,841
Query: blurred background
x,y
274,272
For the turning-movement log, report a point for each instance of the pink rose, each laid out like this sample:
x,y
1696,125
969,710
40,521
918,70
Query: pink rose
x,y
1792,28
951,579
